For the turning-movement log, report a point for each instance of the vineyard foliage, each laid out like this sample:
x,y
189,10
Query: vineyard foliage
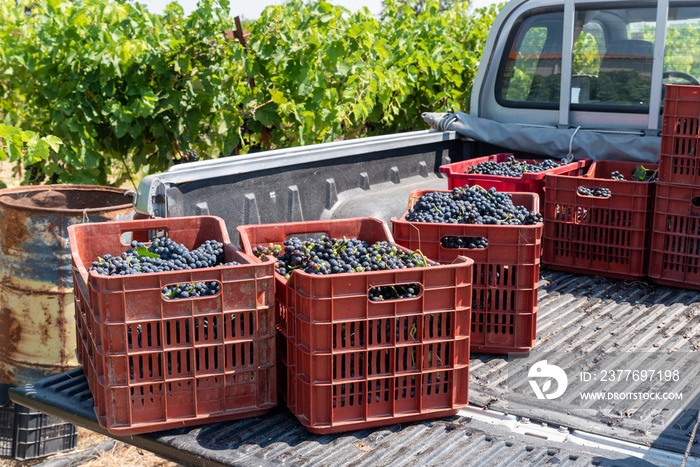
x,y
128,92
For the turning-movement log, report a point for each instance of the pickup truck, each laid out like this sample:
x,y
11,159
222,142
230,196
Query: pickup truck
x,y
590,66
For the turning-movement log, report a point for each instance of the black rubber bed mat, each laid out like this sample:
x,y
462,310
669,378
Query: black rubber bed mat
x,y
277,438
585,324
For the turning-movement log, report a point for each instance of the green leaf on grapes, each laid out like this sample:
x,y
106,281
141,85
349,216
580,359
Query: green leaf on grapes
x,y
640,173
143,251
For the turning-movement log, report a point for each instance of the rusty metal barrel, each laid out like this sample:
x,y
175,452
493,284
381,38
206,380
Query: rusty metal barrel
x,y
37,315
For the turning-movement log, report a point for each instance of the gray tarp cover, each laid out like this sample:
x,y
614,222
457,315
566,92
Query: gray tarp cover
x,y
550,142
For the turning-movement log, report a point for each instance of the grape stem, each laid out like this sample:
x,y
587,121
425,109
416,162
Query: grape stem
x,y
425,260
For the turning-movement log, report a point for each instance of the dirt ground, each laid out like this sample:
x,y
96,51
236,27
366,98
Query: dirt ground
x,y
121,455
6,174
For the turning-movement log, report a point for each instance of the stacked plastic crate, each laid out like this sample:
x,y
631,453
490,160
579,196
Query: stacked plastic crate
x,y
350,362
675,240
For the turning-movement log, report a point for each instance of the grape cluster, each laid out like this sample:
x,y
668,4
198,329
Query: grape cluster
x,y
393,292
464,242
324,255
164,254
640,175
616,175
471,205
189,156
191,290
511,167
596,192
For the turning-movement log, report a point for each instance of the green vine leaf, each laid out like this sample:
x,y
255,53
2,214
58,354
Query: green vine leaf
x,y
129,92
143,251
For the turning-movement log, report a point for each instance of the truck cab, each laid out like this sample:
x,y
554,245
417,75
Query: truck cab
x,y
597,65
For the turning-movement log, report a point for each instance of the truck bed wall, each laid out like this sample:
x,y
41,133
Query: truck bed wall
x,y
370,183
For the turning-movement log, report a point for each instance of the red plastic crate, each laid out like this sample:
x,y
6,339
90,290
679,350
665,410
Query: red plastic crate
x,y
372,402
679,161
594,235
675,238
352,363
154,364
528,182
505,279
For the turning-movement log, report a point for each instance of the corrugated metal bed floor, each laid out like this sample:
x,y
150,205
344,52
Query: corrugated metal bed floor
x,y
635,329
277,438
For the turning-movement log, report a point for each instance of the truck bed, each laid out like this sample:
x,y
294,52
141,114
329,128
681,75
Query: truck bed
x,y
579,318
589,326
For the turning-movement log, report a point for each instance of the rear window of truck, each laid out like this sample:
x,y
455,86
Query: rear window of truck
x,y
612,58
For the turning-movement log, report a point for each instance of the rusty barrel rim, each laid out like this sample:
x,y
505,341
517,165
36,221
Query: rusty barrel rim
x,y
7,199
